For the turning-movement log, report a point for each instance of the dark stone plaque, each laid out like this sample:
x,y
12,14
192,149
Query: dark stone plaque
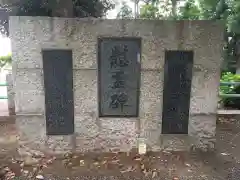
x,y
119,76
177,90
58,83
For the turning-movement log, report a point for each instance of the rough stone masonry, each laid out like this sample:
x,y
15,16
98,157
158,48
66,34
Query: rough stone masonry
x,y
29,35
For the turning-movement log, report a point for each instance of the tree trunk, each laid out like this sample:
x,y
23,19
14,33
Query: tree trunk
x,y
135,10
238,57
136,13
62,8
174,8
238,66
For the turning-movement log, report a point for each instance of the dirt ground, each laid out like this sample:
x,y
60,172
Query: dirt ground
x,y
219,165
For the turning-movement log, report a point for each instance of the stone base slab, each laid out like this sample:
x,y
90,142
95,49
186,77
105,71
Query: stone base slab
x,y
32,138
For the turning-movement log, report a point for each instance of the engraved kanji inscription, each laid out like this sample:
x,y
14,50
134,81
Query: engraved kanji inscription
x,y
119,73
118,79
118,56
119,101
176,93
58,83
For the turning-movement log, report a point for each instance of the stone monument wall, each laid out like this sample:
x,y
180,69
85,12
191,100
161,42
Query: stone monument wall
x,y
29,35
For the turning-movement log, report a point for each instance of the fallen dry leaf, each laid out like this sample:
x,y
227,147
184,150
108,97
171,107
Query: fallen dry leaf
x,y
178,157
154,174
65,161
35,169
70,164
146,173
96,163
25,172
40,177
50,161
42,166
81,162
115,161
129,169
104,162
114,157
22,164
167,152
138,159
68,155
188,165
75,157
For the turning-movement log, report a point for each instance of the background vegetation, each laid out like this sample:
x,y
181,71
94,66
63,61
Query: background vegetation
x,y
5,60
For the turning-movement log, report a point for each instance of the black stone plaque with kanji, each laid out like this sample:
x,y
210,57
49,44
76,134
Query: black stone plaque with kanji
x,y
58,83
119,76
177,90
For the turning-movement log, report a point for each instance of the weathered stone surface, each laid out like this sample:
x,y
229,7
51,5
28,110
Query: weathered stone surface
x,y
29,35
123,136
151,107
10,94
29,91
170,142
85,91
203,97
202,128
33,138
99,134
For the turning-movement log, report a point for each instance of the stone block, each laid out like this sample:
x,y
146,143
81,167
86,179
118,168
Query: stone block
x,y
29,35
